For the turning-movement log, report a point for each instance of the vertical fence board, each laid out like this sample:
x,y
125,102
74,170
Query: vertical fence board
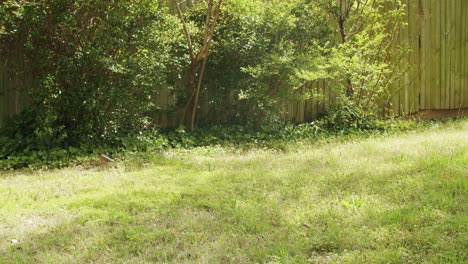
x,y
462,53
443,54
461,57
318,99
6,83
456,45
409,63
452,53
314,102
326,87
2,96
427,51
321,87
403,80
306,111
422,48
302,116
465,55
447,54
435,55
431,62
415,25
448,77
459,51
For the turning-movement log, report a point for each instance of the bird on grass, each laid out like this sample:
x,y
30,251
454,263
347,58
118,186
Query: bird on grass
x,y
104,159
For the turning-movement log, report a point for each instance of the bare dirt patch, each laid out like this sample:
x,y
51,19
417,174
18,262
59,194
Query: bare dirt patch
x,y
438,114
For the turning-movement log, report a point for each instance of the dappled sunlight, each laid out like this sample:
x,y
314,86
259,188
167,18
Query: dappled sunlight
x,y
399,197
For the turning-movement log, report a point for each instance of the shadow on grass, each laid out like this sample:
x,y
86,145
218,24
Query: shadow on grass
x,y
401,215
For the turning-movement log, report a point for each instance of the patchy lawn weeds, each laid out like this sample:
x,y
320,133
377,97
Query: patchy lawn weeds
x,y
384,199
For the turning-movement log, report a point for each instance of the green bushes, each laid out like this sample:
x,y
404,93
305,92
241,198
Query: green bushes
x,y
20,150
364,60
98,66
346,115
268,53
257,52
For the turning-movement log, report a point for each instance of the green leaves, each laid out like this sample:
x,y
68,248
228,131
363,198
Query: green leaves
x,y
259,52
97,66
363,62
97,63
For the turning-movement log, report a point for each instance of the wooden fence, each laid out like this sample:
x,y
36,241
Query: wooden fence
x,y
13,79
437,33
437,78
437,74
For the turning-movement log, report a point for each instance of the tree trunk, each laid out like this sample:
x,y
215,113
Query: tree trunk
x,y
193,92
189,108
341,19
197,93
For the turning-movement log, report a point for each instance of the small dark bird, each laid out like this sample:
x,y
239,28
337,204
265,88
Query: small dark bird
x,y
104,159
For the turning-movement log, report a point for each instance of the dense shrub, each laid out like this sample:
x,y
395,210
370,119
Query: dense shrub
x,y
346,116
97,64
365,59
267,53
259,48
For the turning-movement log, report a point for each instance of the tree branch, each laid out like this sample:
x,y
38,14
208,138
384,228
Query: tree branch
x,y
204,52
186,31
209,29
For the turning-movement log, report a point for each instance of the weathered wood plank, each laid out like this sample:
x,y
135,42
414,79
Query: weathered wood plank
x,y
462,53
307,110
414,21
7,83
453,58
313,101
396,86
2,96
456,50
463,62
321,88
435,54
404,83
411,60
326,94
443,54
422,53
465,55
428,55
302,112
447,54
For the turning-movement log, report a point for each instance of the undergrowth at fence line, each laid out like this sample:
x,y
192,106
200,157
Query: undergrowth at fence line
x,y
24,150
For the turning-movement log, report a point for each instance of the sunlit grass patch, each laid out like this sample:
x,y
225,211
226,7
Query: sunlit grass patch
x,y
395,198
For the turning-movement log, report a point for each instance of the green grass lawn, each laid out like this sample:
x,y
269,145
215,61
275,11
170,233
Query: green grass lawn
x,y
396,199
